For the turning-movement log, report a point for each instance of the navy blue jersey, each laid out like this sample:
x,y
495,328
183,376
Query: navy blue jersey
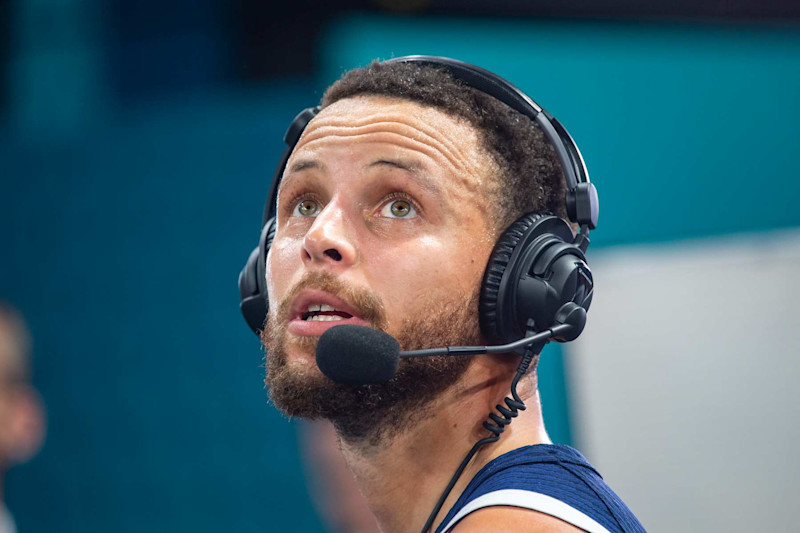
x,y
553,479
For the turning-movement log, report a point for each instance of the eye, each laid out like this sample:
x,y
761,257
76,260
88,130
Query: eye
x,y
399,209
307,207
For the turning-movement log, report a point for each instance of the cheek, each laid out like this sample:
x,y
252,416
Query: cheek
x,y
415,277
280,268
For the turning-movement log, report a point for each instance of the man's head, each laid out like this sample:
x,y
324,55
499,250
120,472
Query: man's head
x,y
387,212
527,175
21,416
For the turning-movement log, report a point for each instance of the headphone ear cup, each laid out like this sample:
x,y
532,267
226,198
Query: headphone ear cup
x,y
253,283
490,318
535,269
554,280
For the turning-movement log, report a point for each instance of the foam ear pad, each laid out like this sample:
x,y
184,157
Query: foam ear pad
x,y
496,268
271,227
268,235
252,281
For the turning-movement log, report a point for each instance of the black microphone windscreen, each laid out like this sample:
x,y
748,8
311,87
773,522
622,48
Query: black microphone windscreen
x,y
357,355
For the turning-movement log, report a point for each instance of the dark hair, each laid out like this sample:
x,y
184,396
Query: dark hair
x,y
531,178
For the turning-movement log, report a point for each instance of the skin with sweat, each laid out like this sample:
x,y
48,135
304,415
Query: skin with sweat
x,y
354,160
391,199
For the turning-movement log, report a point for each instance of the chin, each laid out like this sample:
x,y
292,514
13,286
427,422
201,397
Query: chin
x,y
300,350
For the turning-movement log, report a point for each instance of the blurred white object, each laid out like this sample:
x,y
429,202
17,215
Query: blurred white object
x,y
6,521
685,381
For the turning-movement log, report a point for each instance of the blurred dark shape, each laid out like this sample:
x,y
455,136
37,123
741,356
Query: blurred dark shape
x,y
626,9
403,6
283,40
157,48
272,41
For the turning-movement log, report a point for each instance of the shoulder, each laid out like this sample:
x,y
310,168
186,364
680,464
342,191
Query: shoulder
x,y
512,519
539,489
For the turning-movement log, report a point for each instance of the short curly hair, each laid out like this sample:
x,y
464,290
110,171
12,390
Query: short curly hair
x,y
531,178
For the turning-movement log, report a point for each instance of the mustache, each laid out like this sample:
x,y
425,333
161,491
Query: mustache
x,y
366,304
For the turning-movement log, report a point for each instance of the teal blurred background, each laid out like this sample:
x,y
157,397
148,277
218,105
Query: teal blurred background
x,y
136,147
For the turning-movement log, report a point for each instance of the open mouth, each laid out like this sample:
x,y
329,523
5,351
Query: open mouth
x,y
314,312
324,313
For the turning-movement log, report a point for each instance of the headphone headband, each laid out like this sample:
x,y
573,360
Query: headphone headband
x,y
581,196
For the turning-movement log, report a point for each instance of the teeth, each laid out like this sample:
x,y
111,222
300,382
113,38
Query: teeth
x,y
320,307
324,318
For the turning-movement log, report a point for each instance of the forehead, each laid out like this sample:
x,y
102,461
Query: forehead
x,y
382,125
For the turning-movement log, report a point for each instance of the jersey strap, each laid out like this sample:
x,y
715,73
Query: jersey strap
x,y
529,500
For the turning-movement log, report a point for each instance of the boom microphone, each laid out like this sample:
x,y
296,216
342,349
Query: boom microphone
x,y
359,355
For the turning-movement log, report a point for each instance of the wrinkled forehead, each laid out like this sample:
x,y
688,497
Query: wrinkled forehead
x,y
435,137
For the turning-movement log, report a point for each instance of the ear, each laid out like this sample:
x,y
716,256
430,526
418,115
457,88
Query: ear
x,y
24,423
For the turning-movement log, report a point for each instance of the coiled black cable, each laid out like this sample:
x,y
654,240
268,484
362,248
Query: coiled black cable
x,y
515,405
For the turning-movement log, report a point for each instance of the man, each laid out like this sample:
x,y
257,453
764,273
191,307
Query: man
x,y
21,413
388,210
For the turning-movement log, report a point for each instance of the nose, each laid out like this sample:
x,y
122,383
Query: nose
x,y
328,241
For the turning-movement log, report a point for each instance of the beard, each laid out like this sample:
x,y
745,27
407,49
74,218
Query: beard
x,y
369,414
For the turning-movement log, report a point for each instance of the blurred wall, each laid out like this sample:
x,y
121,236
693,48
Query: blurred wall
x,y
132,177
685,381
124,245
133,168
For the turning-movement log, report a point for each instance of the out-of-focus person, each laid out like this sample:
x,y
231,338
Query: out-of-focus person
x,y
331,484
21,412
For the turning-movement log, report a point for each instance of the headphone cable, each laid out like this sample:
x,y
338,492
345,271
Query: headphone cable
x,y
496,426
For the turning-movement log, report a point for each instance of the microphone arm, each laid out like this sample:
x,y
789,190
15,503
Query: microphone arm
x,y
501,348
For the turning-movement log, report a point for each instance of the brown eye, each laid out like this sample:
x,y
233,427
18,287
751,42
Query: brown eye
x,y
306,208
399,209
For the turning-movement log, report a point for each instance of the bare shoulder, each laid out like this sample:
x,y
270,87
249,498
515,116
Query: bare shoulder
x,y
512,519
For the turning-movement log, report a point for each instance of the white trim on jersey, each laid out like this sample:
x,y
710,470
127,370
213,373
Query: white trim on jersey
x,y
530,500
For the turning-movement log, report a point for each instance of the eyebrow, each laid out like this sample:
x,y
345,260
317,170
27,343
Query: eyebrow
x,y
396,163
415,171
305,164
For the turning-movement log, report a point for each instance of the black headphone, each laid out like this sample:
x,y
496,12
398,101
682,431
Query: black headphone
x,y
537,270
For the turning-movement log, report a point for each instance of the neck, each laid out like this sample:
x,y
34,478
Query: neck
x,y
403,477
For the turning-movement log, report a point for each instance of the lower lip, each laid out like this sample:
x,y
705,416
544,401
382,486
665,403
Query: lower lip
x,y
315,328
